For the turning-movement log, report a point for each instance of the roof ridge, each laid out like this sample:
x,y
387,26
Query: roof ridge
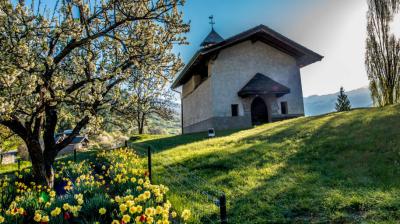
x,y
303,55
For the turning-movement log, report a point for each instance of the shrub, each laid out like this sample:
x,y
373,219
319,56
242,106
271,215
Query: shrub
x,y
112,189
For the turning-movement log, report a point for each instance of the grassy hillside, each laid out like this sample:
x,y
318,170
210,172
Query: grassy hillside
x,y
341,168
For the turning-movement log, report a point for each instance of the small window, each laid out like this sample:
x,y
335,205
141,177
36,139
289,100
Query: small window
x,y
284,108
235,110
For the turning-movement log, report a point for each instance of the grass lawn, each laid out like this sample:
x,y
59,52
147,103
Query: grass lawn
x,y
340,168
336,168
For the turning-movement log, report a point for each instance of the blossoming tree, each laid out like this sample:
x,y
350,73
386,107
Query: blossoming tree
x,y
77,56
146,94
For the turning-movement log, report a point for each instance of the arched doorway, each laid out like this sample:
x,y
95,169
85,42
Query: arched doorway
x,y
259,111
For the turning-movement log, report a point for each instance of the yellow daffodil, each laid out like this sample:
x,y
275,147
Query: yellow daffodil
x,y
48,204
185,214
150,220
45,218
126,218
147,194
55,211
173,214
133,210
159,210
149,211
37,217
66,206
52,194
123,208
102,211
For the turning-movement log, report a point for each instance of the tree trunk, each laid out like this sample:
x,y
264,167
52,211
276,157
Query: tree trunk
x,y
49,159
42,166
141,124
140,128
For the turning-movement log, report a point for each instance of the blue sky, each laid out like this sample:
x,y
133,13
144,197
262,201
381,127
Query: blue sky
x,y
334,28
234,16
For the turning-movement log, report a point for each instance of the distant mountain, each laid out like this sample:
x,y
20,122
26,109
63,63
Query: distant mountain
x,y
316,104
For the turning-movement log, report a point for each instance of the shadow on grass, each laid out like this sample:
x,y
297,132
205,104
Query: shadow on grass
x,y
162,144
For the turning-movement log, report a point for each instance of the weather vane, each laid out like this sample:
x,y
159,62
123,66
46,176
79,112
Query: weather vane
x,y
212,21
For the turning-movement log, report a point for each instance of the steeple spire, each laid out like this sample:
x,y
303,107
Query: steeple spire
x,y
213,37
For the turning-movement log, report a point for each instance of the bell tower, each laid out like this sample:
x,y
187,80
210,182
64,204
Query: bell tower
x,y
213,37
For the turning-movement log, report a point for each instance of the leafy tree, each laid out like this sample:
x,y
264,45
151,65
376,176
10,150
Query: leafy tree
x,y
77,57
343,102
147,94
8,140
383,53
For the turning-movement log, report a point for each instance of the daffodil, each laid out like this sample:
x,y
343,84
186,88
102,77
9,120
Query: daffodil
x,y
150,220
173,214
66,206
149,211
147,194
126,218
185,214
159,210
133,210
45,219
102,211
123,208
52,194
37,217
21,211
55,211
140,181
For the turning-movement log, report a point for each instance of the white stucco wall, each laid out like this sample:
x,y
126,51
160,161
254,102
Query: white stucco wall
x,y
197,106
236,65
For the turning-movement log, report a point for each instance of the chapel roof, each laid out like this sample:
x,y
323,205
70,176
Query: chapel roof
x,y
263,85
212,38
303,55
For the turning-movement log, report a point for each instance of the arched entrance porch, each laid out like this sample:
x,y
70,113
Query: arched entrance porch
x,y
259,111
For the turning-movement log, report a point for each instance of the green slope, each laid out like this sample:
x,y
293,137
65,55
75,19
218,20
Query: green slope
x,y
340,167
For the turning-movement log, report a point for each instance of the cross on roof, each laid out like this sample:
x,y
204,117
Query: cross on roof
x,y
211,21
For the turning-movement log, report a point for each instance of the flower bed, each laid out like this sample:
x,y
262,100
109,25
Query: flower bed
x,y
112,189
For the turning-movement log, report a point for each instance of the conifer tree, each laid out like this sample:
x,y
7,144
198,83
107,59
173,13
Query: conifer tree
x,y
343,102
